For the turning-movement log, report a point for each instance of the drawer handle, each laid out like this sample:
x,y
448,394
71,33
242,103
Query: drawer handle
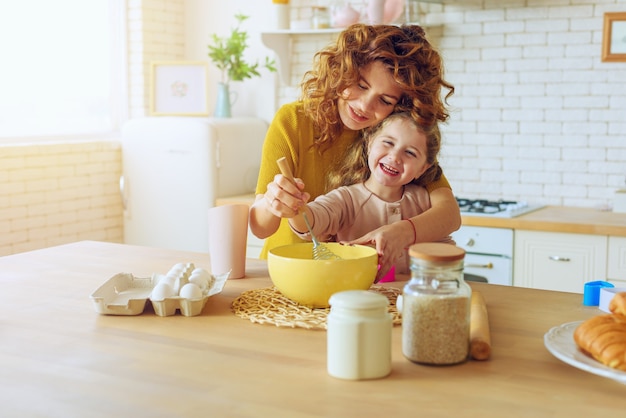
x,y
558,258
480,266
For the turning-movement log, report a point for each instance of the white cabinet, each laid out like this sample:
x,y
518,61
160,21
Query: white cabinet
x,y
616,265
559,261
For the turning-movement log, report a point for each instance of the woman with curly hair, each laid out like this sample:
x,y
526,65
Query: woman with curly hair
x,y
369,73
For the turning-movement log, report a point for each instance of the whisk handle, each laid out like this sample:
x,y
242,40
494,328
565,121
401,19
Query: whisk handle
x,y
285,169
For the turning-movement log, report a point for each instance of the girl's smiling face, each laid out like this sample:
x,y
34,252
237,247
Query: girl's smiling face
x,y
371,100
396,155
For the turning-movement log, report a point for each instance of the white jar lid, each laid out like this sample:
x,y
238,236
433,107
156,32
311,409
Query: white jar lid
x,y
361,299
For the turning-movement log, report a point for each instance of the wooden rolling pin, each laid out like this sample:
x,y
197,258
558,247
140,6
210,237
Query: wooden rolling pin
x,y
480,337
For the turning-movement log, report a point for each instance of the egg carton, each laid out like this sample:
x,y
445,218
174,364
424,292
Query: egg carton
x,y
126,294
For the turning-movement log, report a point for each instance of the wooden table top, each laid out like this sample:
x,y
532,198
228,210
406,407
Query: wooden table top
x,y
60,358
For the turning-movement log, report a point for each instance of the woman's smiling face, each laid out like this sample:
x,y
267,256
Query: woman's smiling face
x,y
371,100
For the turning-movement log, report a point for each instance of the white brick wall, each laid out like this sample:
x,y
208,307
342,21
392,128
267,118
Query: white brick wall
x,y
536,115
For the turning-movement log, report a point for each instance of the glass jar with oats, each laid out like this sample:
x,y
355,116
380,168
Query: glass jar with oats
x,y
436,306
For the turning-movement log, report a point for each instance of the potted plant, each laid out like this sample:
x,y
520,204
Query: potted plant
x,y
227,55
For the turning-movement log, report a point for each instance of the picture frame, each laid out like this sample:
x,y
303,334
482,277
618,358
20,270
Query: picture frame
x,y
614,37
179,88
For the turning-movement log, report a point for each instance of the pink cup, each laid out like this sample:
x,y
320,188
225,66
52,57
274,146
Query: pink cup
x,y
228,236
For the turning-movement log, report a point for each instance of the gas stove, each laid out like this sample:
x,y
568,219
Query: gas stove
x,y
495,208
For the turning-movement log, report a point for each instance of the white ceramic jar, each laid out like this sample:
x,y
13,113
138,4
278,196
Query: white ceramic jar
x,y
281,15
359,335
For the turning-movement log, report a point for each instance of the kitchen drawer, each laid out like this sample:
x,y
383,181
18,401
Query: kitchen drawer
x,y
558,261
483,240
616,266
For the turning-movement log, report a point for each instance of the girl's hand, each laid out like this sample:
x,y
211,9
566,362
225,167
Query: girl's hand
x,y
284,198
390,242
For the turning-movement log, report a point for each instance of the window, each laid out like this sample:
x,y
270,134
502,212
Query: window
x,y
62,71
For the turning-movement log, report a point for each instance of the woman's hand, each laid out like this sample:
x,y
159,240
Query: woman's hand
x,y
283,199
390,242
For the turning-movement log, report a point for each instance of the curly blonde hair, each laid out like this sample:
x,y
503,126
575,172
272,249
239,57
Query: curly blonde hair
x,y
415,64
356,169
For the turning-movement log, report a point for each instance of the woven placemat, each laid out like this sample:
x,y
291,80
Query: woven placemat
x,y
269,306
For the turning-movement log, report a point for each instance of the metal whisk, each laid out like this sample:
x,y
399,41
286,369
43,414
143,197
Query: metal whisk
x,y
320,251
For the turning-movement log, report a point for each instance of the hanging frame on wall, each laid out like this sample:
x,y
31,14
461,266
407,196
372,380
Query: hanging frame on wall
x,y
614,37
179,88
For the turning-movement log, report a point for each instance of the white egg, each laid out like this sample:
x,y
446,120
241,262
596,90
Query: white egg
x,y
177,268
191,291
199,281
201,272
169,279
161,292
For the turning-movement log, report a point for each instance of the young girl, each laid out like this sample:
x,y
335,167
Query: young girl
x,y
357,82
384,185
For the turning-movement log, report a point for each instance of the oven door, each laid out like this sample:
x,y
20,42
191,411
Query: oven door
x,y
496,269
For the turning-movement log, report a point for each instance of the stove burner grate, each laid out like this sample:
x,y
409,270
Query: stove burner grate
x,y
484,206
500,208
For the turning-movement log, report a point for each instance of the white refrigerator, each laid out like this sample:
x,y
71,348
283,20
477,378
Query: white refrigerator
x,y
174,169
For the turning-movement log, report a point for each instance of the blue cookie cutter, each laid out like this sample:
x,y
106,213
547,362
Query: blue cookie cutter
x,y
591,297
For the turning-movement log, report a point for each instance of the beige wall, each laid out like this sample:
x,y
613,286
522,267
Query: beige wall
x,y
52,194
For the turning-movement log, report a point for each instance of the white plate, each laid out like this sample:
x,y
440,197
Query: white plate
x,y
560,342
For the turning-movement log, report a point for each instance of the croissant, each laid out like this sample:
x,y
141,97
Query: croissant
x,y
603,337
618,304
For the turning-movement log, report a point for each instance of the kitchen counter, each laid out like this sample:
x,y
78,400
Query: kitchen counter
x,y
60,358
559,219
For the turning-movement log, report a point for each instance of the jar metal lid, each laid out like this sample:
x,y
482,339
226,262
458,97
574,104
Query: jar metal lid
x,y
362,299
436,251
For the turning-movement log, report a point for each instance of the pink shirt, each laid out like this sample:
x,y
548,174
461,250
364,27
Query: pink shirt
x,y
350,212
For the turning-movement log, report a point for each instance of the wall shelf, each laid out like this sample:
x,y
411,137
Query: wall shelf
x,y
280,40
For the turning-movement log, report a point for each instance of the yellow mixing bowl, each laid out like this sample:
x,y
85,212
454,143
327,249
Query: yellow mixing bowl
x,y
311,282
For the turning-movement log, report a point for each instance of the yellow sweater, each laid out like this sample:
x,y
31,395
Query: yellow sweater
x,y
291,134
